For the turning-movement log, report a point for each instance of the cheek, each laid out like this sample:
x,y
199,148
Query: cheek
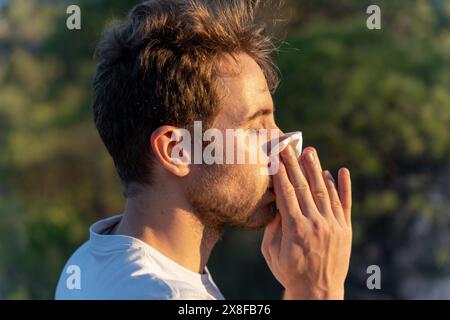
x,y
256,162
251,180
248,149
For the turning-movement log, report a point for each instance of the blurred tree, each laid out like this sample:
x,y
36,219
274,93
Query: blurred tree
x,y
55,176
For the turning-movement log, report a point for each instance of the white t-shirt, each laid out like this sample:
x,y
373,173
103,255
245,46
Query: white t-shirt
x,y
123,267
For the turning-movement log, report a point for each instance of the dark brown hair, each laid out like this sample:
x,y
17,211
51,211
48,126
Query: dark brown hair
x,y
157,68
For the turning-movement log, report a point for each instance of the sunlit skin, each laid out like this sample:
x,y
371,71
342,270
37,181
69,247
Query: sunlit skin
x,y
307,242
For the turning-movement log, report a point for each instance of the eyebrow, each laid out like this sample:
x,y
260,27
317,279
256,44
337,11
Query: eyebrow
x,y
260,113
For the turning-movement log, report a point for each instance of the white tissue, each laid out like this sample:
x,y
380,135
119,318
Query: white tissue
x,y
295,139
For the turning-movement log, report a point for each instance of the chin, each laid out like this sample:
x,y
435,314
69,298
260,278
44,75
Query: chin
x,y
260,218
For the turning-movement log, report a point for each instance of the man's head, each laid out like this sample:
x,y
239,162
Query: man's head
x,y
173,62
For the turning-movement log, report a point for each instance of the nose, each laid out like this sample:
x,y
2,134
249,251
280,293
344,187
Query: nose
x,y
275,126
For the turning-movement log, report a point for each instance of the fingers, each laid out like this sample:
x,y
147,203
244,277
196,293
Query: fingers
x,y
286,199
316,182
299,182
345,193
335,201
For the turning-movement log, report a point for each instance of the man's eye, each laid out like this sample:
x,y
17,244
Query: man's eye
x,y
255,130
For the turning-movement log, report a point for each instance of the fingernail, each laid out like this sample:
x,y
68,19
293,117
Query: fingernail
x,y
310,157
330,177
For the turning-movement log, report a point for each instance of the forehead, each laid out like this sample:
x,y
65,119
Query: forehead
x,y
242,87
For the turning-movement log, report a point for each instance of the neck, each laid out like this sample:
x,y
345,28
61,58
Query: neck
x,y
165,222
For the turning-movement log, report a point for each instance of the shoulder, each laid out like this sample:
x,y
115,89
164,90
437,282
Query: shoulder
x,y
118,274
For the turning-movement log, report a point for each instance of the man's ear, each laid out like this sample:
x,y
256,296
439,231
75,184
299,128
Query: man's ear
x,y
171,147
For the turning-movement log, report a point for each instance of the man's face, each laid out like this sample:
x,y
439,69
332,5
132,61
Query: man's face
x,y
237,194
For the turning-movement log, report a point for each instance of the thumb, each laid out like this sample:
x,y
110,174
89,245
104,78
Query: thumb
x,y
270,236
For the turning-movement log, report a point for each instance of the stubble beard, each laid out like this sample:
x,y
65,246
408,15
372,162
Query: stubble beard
x,y
223,195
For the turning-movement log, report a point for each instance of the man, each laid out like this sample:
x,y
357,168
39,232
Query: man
x,y
169,64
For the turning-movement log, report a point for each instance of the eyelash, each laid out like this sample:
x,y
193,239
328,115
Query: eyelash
x,y
253,130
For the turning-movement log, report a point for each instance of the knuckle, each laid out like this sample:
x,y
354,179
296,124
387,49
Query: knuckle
x,y
320,194
301,187
299,231
320,226
291,160
317,223
288,191
335,204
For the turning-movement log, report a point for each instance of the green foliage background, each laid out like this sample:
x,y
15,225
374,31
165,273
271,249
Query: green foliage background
x,y
375,101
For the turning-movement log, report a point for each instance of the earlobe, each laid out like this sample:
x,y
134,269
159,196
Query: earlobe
x,y
170,145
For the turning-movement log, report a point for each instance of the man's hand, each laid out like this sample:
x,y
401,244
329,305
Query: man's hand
x,y
307,246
